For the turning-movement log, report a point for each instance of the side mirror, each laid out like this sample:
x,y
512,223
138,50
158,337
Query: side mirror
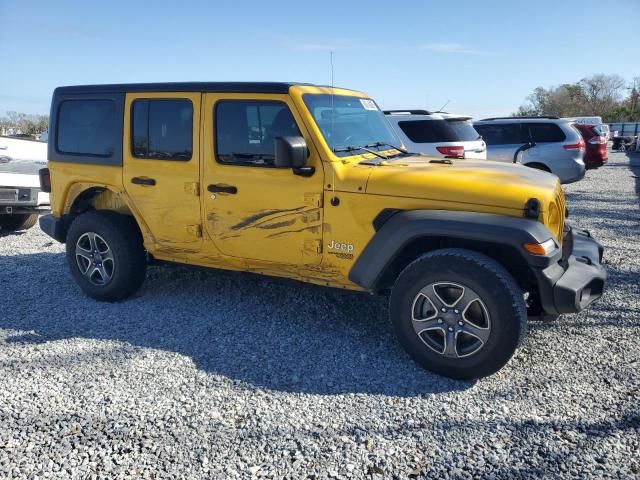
x,y
290,152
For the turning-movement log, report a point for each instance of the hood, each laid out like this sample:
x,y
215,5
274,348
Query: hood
x,y
463,181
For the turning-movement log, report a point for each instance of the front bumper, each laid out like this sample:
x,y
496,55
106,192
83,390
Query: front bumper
x,y
577,280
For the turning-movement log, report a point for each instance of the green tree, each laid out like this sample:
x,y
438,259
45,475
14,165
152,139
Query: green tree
x,y
600,95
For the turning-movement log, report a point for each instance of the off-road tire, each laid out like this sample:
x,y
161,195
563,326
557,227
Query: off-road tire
x,y
494,286
123,237
18,221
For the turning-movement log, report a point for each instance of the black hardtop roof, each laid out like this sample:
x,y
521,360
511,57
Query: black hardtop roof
x,y
221,87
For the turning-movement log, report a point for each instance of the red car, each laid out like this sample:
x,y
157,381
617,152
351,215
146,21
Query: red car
x,y
596,142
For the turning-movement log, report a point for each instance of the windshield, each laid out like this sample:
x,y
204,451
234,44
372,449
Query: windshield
x,y
350,121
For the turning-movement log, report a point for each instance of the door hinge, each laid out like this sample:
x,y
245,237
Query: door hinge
x,y
195,230
313,245
193,188
313,199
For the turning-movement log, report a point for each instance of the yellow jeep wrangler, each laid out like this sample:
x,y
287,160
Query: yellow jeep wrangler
x,y
310,183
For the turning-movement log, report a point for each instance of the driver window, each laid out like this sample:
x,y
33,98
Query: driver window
x,y
245,131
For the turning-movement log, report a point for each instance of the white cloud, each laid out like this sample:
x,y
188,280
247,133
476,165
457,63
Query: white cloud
x,y
449,48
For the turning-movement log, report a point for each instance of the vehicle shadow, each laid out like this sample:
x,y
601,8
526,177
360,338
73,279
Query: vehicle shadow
x,y
11,233
270,333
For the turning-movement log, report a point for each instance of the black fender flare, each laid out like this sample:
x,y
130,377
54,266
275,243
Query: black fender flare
x,y
403,227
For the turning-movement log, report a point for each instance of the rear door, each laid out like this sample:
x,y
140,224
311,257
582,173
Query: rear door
x,y
162,165
502,139
548,138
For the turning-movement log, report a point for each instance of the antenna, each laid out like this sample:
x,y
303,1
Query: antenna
x,y
446,103
333,112
331,61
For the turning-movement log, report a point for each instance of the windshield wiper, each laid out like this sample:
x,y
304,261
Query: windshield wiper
x,y
353,148
385,144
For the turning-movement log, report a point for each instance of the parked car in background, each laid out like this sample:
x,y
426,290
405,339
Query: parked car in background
x,y
597,121
21,198
437,133
545,143
596,145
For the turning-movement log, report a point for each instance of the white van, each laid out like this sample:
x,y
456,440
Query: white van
x,y
438,134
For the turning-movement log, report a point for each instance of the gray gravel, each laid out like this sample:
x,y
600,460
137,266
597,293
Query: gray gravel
x,y
210,374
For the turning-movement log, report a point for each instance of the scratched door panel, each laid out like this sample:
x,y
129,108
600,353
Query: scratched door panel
x,y
162,165
273,215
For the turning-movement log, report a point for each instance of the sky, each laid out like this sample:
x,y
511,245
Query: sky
x,y
483,57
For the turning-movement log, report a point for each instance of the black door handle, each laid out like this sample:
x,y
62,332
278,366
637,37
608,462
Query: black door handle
x,y
143,181
222,189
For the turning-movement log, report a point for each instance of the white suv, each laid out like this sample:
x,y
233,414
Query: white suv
x,y
437,133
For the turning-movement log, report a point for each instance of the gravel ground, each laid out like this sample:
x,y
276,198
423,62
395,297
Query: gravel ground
x,y
208,374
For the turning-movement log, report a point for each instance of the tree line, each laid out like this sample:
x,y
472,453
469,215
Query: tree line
x,y
16,122
606,96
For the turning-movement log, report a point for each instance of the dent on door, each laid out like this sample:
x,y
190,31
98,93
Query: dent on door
x,y
254,210
262,228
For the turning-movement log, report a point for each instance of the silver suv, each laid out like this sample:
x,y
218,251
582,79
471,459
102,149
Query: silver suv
x,y
545,143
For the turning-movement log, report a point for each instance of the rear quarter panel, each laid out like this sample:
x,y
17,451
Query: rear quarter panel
x,y
68,180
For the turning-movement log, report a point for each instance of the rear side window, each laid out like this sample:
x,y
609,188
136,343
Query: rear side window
x,y
597,130
545,132
433,131
162,129
86,127
500,133
246,131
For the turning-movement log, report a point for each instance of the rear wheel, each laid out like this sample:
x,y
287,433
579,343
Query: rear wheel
x,y
458,313
106,255
19,221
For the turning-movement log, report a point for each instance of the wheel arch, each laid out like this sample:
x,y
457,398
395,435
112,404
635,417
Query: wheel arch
x,y
406,235
83,197
538,166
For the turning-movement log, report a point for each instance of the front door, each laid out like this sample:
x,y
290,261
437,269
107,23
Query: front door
x,y
162,165
253,210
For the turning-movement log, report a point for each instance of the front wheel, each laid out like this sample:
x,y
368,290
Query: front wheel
x,y
458,313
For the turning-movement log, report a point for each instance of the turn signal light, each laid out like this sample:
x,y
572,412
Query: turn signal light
x,y
541,249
